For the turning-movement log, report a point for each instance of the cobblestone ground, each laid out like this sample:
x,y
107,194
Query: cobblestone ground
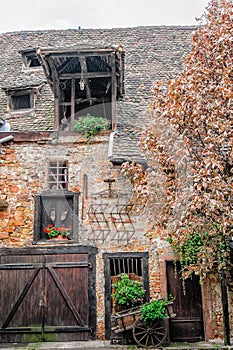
x,y
94,345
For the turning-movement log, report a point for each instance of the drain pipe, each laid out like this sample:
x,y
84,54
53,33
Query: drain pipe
x,y
7,138
110,145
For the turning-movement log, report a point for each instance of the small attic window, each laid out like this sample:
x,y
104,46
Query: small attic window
x,y
20,100
30,59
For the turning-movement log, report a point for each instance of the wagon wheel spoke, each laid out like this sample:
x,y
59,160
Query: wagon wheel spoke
x,y
143,335
149,334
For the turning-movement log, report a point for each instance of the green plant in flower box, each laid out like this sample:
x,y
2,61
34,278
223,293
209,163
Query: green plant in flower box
x,y
154,310
158,308
54,231
91,125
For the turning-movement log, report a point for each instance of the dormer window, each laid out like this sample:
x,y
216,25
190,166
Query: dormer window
x,y
30,59
85,81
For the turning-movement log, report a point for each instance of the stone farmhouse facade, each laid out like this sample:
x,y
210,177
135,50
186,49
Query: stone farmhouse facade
x,y
50,174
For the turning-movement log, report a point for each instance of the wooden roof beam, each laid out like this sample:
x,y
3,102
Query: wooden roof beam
x,y
85,75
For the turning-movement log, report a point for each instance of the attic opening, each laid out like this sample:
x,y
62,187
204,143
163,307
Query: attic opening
x,y
30,59
84,81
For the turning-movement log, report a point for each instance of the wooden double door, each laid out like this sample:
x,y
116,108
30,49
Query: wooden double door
x,y
187,326
47,295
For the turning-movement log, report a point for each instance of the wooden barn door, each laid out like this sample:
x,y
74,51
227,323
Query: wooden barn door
x,y
187,326
45,297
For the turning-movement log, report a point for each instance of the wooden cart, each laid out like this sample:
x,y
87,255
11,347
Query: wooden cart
x,y
151,333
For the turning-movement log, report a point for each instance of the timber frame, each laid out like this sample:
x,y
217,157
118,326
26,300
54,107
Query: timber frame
x,y
84,81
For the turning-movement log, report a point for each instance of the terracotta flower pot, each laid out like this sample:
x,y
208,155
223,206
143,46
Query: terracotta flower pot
x,y
59,237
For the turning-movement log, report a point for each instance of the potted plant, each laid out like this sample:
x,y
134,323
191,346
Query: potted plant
x,y
58,232
127,293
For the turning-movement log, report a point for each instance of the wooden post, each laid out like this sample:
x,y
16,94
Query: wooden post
x,y
56,113
113,92
226,324
55,85
72,104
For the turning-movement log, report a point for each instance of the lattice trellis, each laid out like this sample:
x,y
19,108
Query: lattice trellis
x,y
123,224
109,215
98,221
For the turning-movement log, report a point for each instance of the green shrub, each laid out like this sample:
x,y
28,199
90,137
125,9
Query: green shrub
x,y
91,125
154,310
128,292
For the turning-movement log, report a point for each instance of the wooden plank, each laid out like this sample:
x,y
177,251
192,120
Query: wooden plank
x,y
75,216
75,52
66,296
27,135
32,251
88,75
37,218
20,298
81,264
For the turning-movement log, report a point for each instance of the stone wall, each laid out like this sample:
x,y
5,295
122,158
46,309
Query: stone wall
x,y
23,168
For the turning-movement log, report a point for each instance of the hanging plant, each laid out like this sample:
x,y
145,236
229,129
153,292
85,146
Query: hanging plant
x,y
195,249
188,251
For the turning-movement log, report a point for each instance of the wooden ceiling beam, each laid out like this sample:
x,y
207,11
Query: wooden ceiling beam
x,y
85,75
70,53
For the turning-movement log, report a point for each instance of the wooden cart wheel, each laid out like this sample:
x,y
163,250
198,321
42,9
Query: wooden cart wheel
x,y
151,333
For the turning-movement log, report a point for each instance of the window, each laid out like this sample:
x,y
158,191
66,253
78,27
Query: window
x,y
58,175
20,100
129,265
30,59
57,208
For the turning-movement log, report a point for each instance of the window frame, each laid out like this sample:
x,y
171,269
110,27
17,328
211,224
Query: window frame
x,y
28,57
58,164
18,93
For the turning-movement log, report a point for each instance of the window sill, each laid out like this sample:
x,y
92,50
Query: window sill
x,y
22,111
54,242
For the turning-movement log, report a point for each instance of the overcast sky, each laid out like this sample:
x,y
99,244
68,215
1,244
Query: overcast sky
x,y
18,15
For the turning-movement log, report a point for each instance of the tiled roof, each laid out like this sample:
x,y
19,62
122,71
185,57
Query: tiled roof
x,y
151,53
